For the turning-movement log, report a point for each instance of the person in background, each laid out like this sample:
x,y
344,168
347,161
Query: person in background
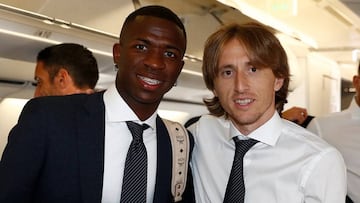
x,y
342,130
246,67
64,69
297,115
75,148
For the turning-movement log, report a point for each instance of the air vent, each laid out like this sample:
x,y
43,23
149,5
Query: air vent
x,y
43,34
338,16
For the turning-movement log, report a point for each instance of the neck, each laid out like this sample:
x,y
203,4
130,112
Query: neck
x,y
143,112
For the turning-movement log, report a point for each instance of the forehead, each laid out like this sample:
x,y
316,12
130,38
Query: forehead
x,y
150,26
233,47
40,68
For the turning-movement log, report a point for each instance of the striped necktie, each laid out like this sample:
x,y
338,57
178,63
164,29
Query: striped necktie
x,y
135,172
235,189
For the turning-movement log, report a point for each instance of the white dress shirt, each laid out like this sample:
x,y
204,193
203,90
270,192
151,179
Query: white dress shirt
x,y
117,141
342,130
288,164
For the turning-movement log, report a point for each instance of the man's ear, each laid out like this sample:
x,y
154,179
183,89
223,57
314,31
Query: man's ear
x,y
116,53
63,79
278,83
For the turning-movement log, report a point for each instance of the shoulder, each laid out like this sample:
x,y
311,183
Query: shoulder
x,y
213,120
305,138
333,118
62,101
210,127
310,146
52,106
330,123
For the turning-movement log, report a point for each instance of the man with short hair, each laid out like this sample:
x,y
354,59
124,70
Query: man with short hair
x,y
64,69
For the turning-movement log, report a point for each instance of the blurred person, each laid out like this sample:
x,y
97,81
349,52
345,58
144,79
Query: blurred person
x,y
76,148
246,67
342,130
297,115
64,69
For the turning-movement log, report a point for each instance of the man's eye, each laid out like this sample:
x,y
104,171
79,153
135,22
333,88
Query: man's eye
x,y
253,69
170,54
140,46
226,73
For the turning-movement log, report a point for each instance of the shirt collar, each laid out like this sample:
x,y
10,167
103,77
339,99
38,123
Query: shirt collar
x,y
268,133
117,109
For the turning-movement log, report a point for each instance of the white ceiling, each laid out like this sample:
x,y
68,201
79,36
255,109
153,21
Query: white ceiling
x,y
327,27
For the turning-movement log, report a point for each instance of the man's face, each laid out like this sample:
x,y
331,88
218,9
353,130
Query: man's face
x,y
149,59
246,93
44,87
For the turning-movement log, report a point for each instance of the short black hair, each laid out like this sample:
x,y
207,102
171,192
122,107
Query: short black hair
x,y
155,11
75,58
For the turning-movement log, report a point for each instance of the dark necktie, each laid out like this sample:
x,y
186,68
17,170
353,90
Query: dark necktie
x,y
235,189
135,172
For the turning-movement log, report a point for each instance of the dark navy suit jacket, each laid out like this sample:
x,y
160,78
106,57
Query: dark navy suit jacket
x,y
56,153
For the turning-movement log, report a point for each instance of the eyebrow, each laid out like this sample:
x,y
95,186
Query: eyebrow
x,y
167,46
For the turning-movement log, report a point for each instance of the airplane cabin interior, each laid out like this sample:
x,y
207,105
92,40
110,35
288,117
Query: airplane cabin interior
x,y
321,38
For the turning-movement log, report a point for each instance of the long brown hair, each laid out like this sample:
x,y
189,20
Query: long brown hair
x,y
263,49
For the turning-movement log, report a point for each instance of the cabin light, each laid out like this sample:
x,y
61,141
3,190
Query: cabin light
x,y
49,22
65,26
61,23
294,7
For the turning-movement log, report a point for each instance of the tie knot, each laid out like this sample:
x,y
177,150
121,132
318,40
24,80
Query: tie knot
x,y
242,146
136,129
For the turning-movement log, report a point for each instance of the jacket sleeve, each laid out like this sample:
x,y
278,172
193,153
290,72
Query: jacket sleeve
x,y
22,158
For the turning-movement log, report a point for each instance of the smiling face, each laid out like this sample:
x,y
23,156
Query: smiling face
x,y
150,58
246,93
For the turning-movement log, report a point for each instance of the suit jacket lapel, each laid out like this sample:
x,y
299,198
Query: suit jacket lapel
x,y
91,134
164,164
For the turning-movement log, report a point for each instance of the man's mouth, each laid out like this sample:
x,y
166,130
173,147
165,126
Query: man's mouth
x,y
243,101
149,81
